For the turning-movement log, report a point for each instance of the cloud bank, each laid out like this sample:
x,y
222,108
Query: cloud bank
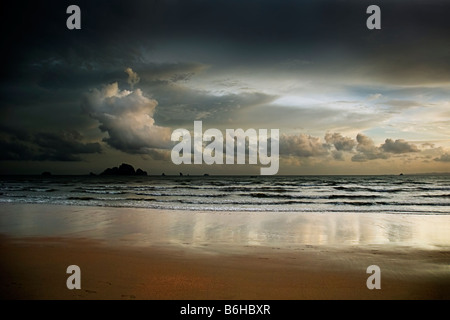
x,y
337,146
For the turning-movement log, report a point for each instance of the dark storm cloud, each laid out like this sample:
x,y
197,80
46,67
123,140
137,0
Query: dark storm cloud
x,y
169,44
330,33
63,146
327,37
40,146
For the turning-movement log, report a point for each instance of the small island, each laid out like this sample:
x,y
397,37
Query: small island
x,y
123,170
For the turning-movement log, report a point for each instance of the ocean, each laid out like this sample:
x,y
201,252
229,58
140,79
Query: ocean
x,y
408,194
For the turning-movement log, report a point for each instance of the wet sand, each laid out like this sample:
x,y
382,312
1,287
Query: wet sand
x,y
147,254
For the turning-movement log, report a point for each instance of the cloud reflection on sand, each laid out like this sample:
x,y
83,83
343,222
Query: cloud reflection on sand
x,y
144,227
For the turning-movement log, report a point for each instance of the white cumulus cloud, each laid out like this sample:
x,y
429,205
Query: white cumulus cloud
x,y
127,117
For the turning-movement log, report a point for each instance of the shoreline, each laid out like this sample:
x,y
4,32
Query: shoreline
x,y
140,254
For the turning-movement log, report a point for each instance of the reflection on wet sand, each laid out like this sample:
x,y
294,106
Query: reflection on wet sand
x,y
226,229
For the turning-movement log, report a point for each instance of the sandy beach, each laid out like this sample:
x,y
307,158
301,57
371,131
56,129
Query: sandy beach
x,y
128,253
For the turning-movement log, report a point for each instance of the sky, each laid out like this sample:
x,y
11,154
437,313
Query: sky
x,y
346,99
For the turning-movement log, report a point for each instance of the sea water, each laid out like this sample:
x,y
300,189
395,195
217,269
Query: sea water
x,y
408,194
